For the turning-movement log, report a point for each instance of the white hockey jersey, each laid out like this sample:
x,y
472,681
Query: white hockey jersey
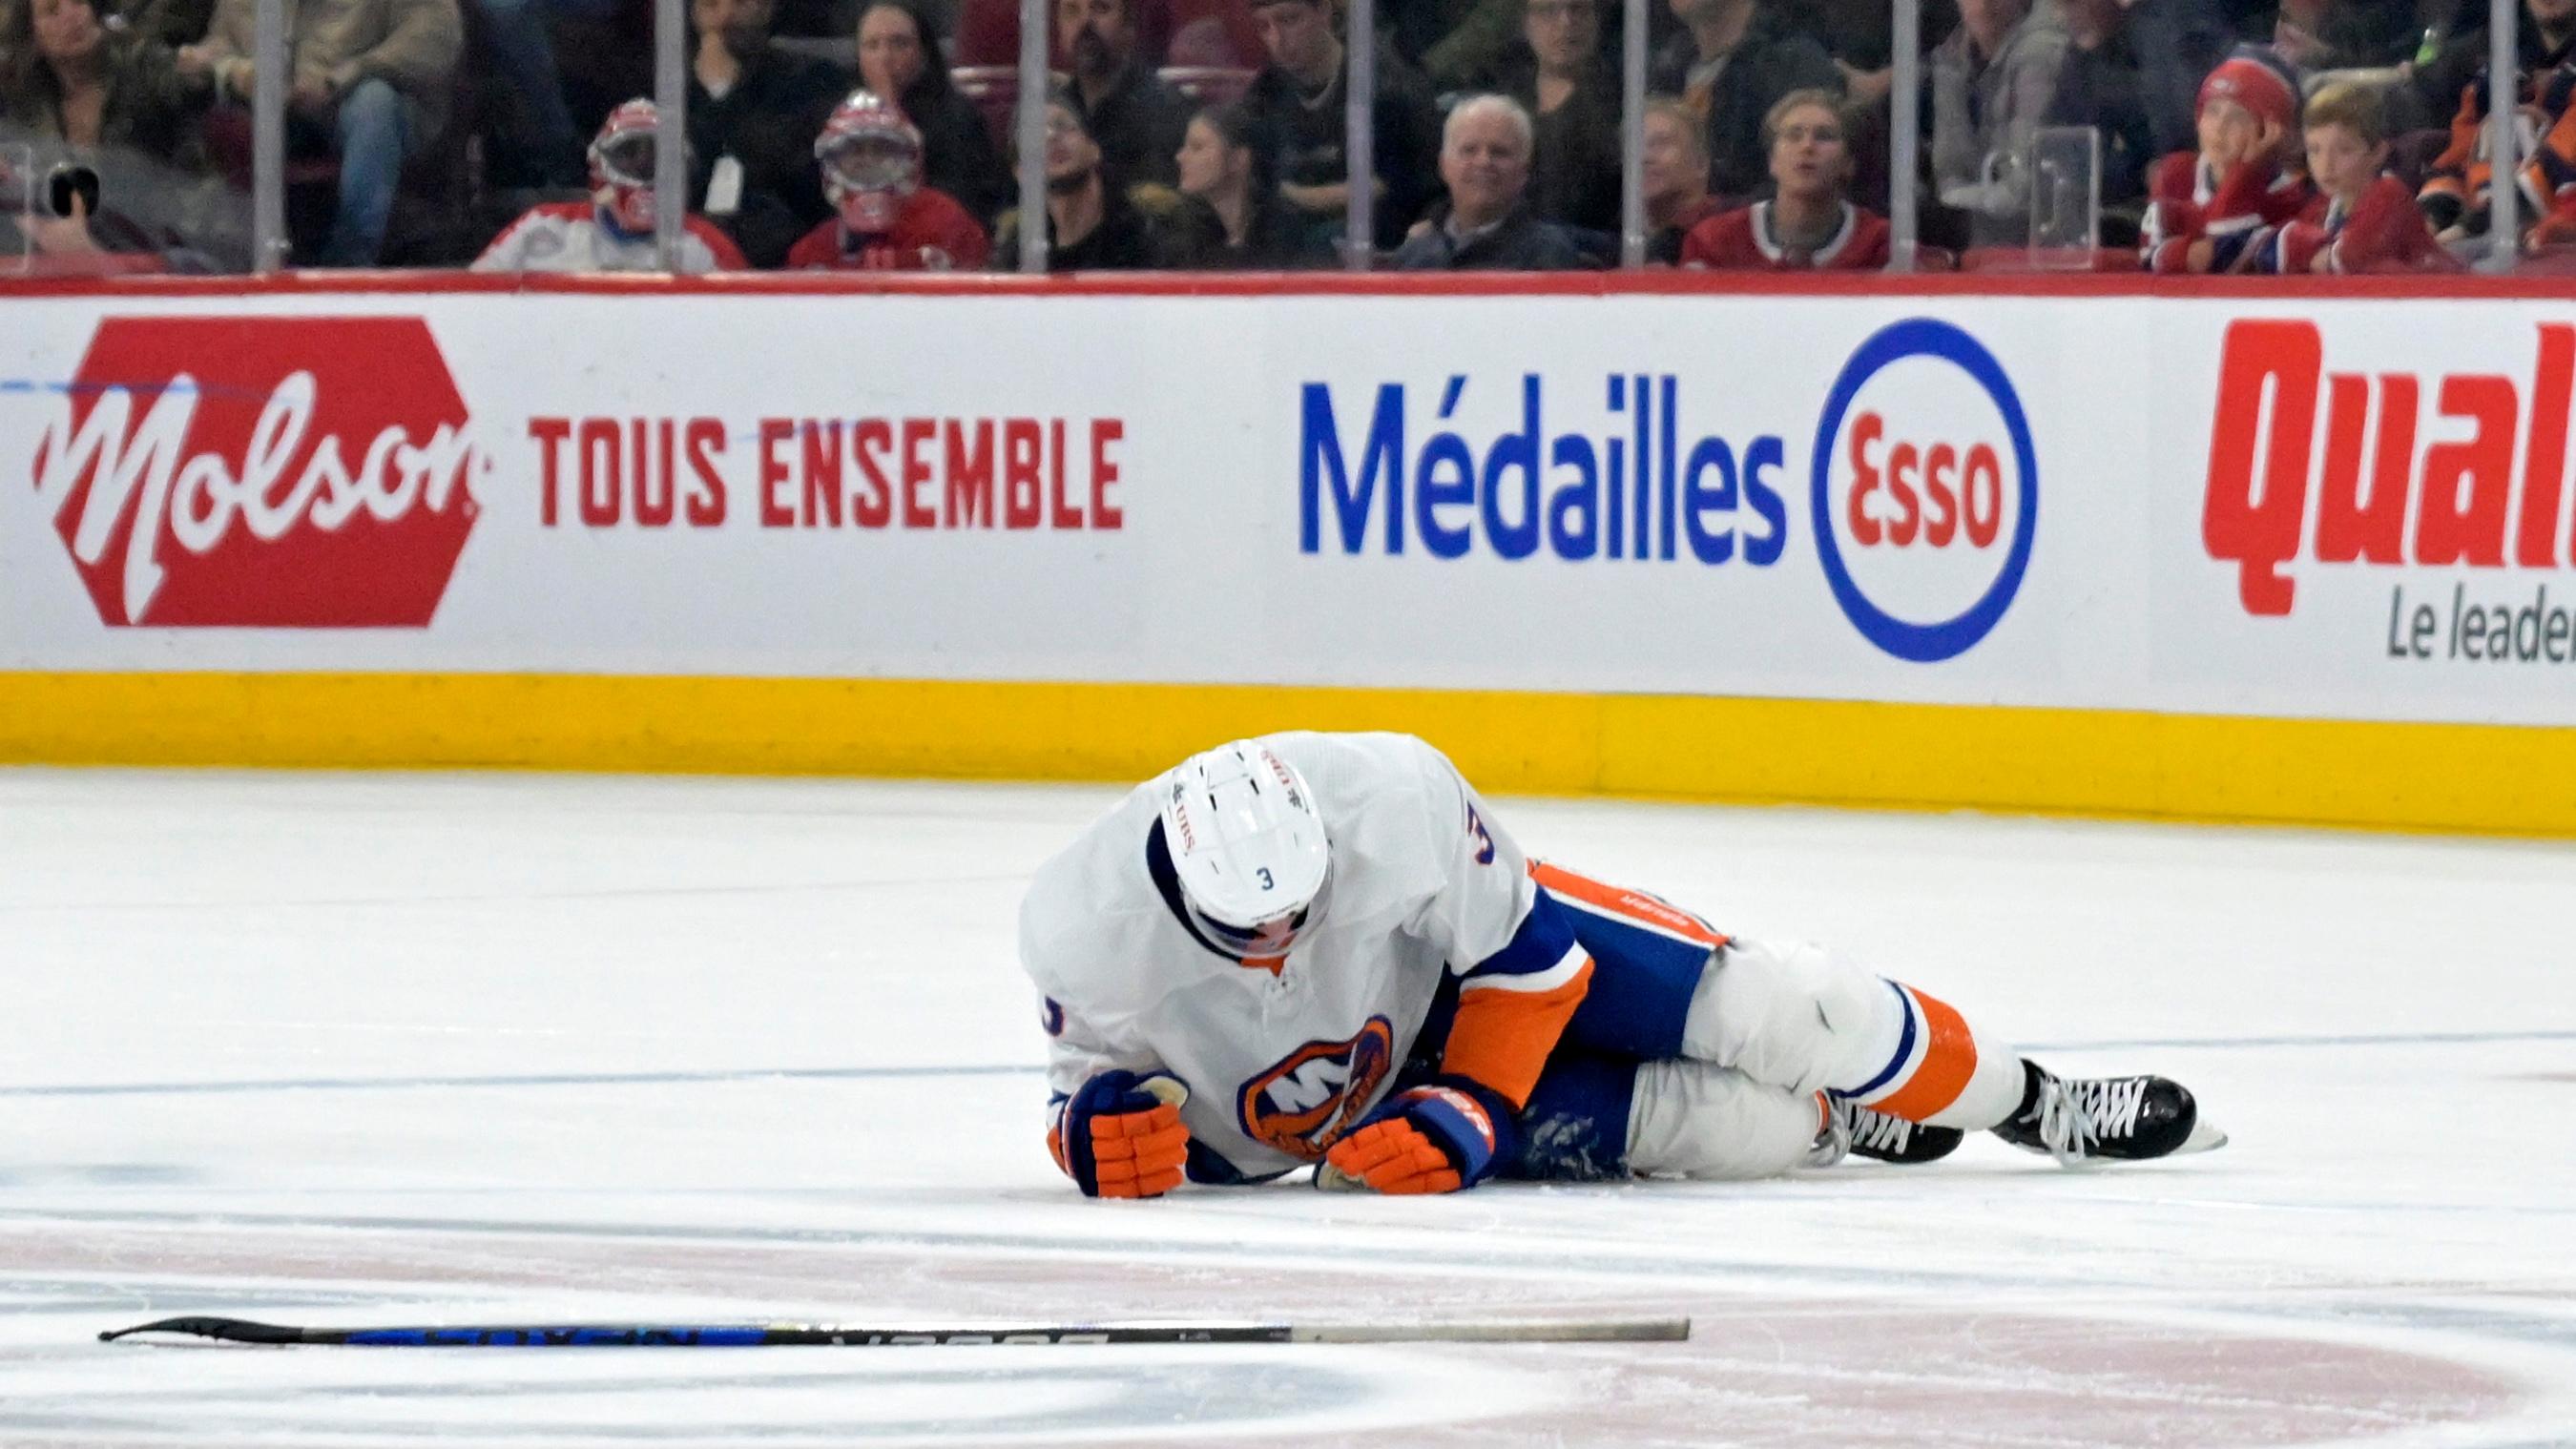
x,y
568,236
1281,1062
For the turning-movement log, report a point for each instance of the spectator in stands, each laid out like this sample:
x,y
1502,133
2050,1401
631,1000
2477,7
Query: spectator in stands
x,y
514,38
1092,226
1809,224
2131,72
900,59
1227,163
754,111
1559,76
2371,222
1488,224
1992,81
1676,180
1132,115
613,230
2208,210
1299,97
368,80
884,218
1731,63
74,92
2454,194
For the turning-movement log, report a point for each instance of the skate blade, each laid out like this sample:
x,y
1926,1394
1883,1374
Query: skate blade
x,y
1329,1178
2205,1137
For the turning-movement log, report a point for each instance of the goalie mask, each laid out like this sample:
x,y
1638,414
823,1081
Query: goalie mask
x,y
1248,847
621,166
871,160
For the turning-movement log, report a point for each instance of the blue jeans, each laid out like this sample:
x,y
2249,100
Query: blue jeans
x,y
525,57
373,134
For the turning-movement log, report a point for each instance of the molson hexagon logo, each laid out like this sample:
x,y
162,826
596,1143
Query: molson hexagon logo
x,y
1926,490
278,472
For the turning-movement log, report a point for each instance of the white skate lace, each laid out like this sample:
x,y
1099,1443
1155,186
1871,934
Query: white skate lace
x,y
1878,1131
2075,1115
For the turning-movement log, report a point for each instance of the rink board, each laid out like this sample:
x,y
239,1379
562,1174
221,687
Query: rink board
x,y
2268,554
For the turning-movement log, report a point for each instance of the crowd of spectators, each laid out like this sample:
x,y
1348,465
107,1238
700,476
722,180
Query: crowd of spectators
x,y
2225,135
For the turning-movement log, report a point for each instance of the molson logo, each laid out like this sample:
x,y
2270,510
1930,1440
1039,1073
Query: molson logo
x,y
291,472
1926,490
2269,477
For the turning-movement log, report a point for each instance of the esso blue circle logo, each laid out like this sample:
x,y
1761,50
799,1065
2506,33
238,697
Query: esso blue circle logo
x,y
1926,490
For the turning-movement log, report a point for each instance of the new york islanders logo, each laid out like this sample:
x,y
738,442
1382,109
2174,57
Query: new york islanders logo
x,y
1301,1103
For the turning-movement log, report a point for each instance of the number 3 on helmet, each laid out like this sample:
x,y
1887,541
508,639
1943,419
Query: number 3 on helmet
x,y
1247,845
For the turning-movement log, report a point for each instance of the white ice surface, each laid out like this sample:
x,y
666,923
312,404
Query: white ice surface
x,y
396,1049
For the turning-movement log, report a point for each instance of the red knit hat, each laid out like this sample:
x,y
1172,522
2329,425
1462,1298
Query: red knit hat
x,y
2258,80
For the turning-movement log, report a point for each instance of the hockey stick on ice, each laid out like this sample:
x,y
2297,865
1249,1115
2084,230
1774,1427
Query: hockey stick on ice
x,y
764,1335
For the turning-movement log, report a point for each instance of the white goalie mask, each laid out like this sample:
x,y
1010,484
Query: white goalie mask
x,y
1248,847
871,160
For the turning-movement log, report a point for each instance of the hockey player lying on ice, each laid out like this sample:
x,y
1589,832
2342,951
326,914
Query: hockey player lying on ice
x,y
1320,948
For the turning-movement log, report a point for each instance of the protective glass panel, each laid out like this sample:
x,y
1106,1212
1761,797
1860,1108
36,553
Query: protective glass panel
x,y
140,182
17,203
2065,182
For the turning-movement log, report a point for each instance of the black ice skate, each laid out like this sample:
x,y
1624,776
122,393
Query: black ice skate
x,y
1856,1129
2083,1119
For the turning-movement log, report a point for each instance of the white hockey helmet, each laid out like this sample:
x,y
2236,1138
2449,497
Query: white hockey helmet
x,y
1248,846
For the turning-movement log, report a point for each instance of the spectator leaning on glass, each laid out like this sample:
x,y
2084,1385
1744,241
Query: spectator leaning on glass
x,y
1299,97
1809,224
366,79
1135,118
1676,166
754,110
1228,166
884,219
613,230
2370,222
1992,81
2206,210
1091,225
900,60
74,91
1731,63
1487,224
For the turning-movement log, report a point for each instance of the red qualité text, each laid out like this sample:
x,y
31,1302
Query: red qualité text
x,y
2264,477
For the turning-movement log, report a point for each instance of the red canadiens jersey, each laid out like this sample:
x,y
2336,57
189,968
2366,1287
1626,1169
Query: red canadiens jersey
x,y
931,233
2383,231
2188,202
1744,240
569,236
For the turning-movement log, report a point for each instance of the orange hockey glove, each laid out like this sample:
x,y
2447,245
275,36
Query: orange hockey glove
x,y
1120,1135
1422,1139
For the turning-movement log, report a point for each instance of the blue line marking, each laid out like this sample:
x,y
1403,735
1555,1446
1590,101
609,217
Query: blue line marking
x,y
995,1069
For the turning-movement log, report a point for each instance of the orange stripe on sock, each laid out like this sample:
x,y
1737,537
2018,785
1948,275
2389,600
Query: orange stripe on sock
x,y
1949,1059
1635,905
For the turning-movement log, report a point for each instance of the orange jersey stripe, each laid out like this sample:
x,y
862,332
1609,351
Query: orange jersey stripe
x,y
1635,905
1949,1059
1501,1039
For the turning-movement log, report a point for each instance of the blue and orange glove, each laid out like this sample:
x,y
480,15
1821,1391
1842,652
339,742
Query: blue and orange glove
x,y
1120,1134
1438,1138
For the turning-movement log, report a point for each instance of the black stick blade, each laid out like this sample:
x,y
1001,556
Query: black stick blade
x,y
230,1330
